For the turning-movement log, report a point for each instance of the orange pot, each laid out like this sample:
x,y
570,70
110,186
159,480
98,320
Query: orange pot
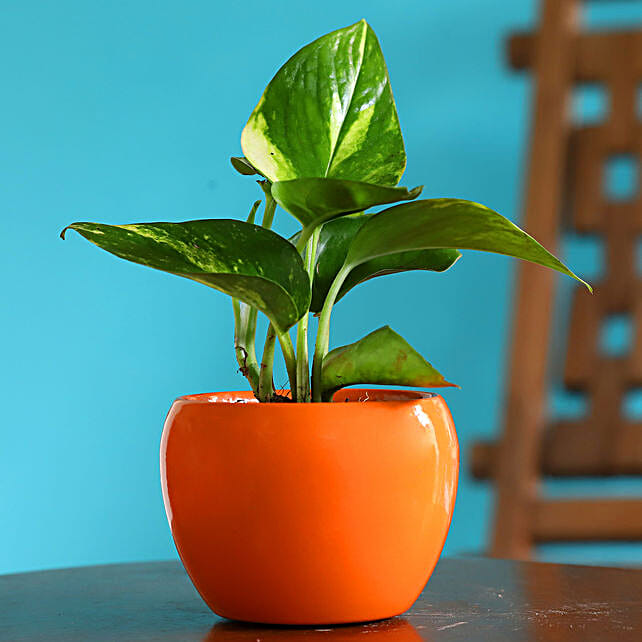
x,y
320,513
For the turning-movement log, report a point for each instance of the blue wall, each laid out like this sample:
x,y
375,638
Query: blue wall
x,y
128,111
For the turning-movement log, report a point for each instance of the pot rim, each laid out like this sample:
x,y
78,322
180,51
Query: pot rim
x,y
378,396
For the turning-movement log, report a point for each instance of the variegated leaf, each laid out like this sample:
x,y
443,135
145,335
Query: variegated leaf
x,y
243,260
329,112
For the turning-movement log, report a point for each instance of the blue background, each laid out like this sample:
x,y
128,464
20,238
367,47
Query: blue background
x,y
128,111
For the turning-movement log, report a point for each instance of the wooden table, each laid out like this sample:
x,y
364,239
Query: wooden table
x,y
466,599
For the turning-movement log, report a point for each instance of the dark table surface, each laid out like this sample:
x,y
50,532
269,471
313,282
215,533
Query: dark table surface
x,y
466,599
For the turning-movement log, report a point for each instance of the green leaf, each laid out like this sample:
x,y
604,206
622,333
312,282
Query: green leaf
x,y
243,166
447,223
381,357
433,260
243,260
329,111
316,200
334,242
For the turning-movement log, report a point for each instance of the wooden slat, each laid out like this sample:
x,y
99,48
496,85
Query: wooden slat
x,y
573,448
621,241
525,408
606,395
583,341
571,451
570,520
590,149
593,53
635,357
622,118
483,462
586,179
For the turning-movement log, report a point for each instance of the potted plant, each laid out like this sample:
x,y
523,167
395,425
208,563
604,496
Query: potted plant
x,y
321,504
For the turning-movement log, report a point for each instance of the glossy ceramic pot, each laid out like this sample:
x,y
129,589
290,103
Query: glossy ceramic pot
x,y
320,513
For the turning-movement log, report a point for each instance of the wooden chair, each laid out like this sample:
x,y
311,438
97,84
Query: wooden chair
x,y
565,181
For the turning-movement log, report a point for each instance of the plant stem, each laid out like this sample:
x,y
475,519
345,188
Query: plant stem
x,y
323,333
266,387
244,344
270,205
290,361
302,363
304,237
244,330
264,376
250,332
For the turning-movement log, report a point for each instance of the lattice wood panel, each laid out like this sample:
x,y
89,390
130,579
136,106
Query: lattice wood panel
x,y
569,164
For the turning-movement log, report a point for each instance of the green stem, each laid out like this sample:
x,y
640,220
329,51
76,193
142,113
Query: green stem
x,y
250,333
268,214
304,237
323,333
270,204
302,362
245,354
244,331
290,361
266,386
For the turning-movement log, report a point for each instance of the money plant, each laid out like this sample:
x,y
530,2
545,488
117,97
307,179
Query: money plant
x,y
325,143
